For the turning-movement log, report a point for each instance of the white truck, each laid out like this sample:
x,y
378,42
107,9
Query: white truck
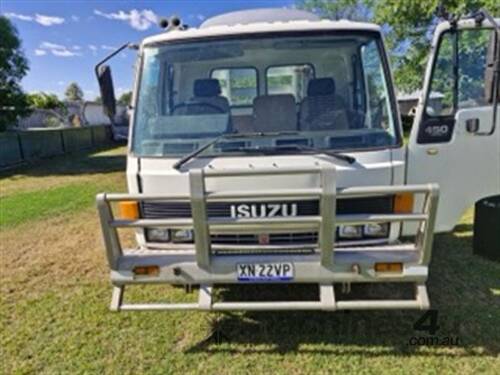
x,y
265,146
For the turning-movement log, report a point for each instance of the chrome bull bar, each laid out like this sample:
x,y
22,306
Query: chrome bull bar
x,y
327,266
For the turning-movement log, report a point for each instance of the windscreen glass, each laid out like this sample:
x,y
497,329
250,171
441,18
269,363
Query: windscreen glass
x,y
321,91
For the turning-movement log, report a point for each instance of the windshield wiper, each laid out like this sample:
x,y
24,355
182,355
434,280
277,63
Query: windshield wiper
x,y
334,154
177,165
275,149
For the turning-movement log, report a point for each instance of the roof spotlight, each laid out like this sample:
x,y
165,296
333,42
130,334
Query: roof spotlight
x,y
175,22
163,23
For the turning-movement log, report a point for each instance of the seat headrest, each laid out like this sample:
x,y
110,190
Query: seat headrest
x,y
206,87
321,87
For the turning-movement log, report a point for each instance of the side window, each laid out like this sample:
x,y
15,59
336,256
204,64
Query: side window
x,y
473,49
440,97
471,59
377,98
290,79
238,85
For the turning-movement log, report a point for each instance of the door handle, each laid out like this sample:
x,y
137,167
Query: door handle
x,y
472,125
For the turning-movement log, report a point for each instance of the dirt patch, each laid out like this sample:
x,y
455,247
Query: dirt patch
x,y
62,251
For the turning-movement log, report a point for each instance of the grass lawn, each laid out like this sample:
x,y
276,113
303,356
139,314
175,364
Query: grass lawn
x,y
55,293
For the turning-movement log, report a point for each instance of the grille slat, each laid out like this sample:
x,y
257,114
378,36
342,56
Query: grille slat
x,y
274,239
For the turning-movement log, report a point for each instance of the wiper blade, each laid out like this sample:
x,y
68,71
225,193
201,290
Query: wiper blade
x,y
337,155
177,165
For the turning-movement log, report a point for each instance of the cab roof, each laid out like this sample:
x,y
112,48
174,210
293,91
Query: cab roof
x,y
258,21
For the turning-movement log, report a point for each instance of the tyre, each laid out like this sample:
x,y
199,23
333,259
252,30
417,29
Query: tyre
x,y
487,228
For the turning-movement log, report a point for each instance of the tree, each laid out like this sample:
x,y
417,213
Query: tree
x,y
51,104
125,98
13,67
408,27
74,92
43,100
358,10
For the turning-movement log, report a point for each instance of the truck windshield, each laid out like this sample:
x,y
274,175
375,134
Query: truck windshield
x,y
327,91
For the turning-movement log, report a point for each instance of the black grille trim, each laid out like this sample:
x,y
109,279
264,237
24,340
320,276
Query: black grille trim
x,y
369,205
274,239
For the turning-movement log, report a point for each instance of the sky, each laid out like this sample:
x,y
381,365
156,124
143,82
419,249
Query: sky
x,y
63,40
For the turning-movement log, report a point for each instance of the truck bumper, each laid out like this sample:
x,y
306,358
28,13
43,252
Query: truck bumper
x,y
325,266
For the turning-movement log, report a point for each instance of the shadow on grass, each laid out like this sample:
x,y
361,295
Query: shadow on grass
x,y
78,163
459,288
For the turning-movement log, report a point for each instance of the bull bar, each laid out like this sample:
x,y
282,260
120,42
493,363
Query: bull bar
x,y
326,266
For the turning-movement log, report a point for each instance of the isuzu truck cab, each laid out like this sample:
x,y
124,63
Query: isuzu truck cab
x,y
266,146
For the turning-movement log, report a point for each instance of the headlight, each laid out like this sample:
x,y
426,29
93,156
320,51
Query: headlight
x,y
157,235
376,230
182,235
350,231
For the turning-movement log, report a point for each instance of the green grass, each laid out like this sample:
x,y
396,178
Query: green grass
x,y
26,206
57,186
54,315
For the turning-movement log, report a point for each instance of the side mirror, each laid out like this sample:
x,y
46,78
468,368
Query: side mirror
x,y
492,62
107,91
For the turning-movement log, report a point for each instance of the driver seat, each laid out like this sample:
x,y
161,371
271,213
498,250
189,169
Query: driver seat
x,y
207,90
323,109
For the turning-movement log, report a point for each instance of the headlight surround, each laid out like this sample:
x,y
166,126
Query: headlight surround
x,y
359,232
182,235
376,230
350,232
157,235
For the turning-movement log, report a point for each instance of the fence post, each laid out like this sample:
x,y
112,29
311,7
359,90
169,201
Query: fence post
x,y
21,151
61,135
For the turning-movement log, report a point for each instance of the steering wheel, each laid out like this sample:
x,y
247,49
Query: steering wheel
x,y
203,108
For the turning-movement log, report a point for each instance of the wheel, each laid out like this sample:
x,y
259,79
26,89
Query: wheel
x,y
486,228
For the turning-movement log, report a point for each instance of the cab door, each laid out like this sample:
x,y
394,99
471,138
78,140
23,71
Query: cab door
x,y
455,140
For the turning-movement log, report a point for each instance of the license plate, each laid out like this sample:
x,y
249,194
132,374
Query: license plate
x,y
264,271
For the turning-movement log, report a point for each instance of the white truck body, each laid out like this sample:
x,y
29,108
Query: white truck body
x,y
258,204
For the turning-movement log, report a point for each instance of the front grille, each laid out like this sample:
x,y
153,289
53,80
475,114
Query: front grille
x,y
167,210
274,239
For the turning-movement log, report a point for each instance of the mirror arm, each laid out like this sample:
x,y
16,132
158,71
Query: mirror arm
x,y
110,56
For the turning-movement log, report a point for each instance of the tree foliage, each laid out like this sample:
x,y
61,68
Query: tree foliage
x,y
125,98
43,100
358,10
408,27
74,92
13,67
